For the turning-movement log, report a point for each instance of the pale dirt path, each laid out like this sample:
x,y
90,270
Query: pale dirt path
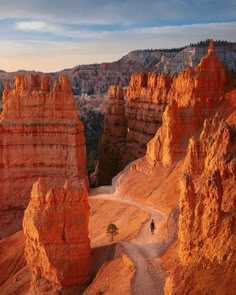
x,y
149,279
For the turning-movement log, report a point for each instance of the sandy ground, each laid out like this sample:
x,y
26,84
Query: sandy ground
x,y
142,249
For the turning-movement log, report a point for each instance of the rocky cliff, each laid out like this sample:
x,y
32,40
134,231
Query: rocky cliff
x,y
40,136
184,101
206,234
194,131
207,213
127,129
96,78
193,96
57,247
114,136
195,145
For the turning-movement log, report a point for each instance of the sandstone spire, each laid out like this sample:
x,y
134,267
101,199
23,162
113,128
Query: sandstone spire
x,y
194,94
57,247
211,49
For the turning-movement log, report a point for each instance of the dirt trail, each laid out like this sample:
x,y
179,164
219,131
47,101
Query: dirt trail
x,y
149,279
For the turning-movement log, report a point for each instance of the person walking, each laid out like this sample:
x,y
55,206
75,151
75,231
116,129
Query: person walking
x,y
152,226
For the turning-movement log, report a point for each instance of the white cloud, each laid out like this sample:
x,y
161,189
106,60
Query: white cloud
x,y
38,26
58,29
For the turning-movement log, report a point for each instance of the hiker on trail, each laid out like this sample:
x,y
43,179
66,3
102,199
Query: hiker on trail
x,y
152,226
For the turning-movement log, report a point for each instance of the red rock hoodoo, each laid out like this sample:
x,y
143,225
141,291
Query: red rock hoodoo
x,y
57,247
194,94
128,131
40,136
189,98
147,97
206,234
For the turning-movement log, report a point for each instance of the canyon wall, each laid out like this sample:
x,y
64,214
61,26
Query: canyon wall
x,y
96,78
113,138
40,136
57,248
146,101
194,132
207,212
163,112
193,96
206,234
128,128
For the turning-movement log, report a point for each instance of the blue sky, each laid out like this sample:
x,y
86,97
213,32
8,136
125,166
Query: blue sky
x,y
53,35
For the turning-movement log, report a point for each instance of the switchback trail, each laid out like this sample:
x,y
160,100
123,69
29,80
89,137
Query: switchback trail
x,y
148,279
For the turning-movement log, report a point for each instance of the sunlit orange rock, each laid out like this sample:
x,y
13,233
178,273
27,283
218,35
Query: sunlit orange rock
x,y
206,228
215,138
147,95
207,214
57,247
189,103
40,136
204,83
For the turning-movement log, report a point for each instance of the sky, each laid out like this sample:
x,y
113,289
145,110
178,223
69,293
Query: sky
x,y
52,35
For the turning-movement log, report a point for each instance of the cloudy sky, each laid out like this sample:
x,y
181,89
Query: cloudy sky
x,y
49,35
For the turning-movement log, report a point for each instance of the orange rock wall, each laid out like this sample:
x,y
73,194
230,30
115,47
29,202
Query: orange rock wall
x,y
209,209
194,94
57,247
147,96
128,129
164,131
40,136
206,229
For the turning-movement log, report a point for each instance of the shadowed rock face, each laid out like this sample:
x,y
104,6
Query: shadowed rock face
x,y
57,247
113,138
40,136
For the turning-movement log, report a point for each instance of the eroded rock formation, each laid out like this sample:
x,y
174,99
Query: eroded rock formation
x,y
40,136
127,131
207,238
194,94
179,107
57,247
113,139
147,97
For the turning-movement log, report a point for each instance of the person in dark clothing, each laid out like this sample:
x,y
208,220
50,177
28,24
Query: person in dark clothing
x,y
152,226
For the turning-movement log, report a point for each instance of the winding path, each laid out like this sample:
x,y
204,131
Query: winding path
x,y
148,279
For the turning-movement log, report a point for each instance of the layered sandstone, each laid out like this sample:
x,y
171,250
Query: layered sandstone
x,y
154,101
206,233
147,96
113,138
129,129
57,247
40,136
194,94
204,83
